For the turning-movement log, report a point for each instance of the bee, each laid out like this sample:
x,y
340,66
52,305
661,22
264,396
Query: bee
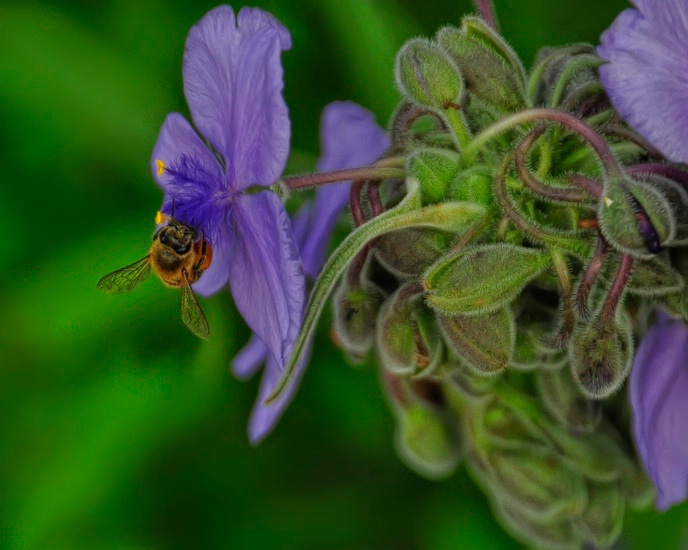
x,y
179,257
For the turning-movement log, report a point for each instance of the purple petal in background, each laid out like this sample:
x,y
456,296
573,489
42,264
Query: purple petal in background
x,y
350,138
659,398
233,85
266,275
646,74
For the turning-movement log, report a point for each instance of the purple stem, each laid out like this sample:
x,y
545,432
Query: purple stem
x,y
616,291
665,170
487,12
375,172
533,183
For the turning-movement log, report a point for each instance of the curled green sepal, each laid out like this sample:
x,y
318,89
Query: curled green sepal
x,y
449,216
482,279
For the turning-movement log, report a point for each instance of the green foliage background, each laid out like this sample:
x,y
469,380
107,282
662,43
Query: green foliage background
x,y
119,429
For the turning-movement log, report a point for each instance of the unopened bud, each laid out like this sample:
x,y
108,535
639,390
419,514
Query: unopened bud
x,y
355,312
427,76
601,355
482,279
426,442
602,519
434,169
406,253
405,335
566,403
484,342
492,71
635,218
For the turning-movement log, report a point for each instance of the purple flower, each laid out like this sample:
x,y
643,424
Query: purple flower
x,y
659,398
233,86
350,138
646,76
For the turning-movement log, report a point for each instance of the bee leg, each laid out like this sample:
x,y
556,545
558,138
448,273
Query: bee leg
x,y
202,259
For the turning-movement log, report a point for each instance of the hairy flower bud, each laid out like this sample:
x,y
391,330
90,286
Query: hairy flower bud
x,y
635,218
426,442
481,279
355,312
601,355
434,169
492,71
406,335
427,76
485,342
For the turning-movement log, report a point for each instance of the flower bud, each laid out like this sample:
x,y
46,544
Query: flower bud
x,y
553,535
481,279
540,485
602,519
601,355
355,313
654,277
427,76
635,218
434,169
473,185
534,326
564,401
426,443
492,71
409,252
484,342
561,73
406,336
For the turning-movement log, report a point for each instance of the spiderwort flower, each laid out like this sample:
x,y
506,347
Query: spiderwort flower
x,y
233,86
659,397
646,74
350,138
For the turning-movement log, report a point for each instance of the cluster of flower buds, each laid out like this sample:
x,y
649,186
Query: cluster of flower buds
x,y
503,282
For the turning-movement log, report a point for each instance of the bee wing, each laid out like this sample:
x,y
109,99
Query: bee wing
x,y
125,278
192,314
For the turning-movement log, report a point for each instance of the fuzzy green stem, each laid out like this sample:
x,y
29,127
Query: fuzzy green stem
x,y
458,127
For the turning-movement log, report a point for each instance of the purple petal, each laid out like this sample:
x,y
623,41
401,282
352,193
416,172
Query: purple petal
x,y
266,275
251,357
264,417
192,176
350,138
646,76
233,85
659,398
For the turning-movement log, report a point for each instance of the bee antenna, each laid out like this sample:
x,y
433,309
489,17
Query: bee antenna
x,y
172,215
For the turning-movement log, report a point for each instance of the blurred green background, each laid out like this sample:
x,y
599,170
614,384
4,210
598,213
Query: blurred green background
x,y
118,428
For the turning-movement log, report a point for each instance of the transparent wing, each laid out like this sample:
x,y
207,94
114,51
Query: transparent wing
x,y
192,314
125,278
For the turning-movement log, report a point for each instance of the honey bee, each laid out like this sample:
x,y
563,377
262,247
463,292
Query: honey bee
x,y
179,257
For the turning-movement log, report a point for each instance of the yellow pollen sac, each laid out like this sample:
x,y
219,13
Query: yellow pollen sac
x,y
161,167
608,202
160,218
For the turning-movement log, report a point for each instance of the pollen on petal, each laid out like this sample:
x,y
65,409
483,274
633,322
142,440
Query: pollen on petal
x,y
160,217
161,166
